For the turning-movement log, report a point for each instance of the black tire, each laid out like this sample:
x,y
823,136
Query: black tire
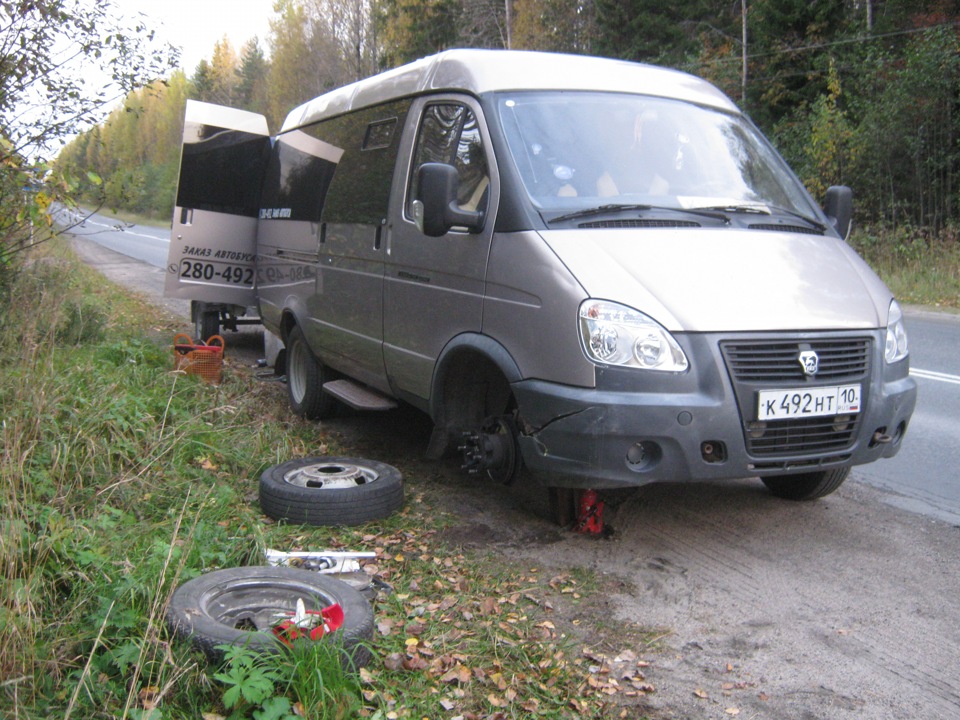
x,y
206,322
305,379
238,606
330,491
806,486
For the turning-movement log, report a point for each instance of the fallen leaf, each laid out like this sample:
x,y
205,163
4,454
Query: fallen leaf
x,y
489,606
732,711
393,661
456,674
415,663
702,694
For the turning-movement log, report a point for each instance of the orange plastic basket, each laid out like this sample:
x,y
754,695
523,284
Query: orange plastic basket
x,y
204,361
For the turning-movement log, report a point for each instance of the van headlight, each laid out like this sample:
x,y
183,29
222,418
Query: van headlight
x,y
896,345
613,334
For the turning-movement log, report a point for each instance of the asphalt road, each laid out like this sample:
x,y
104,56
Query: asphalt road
x,y
924,476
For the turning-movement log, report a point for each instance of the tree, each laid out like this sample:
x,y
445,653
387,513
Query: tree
x,y
411,29
306,57
650,30
791,51
908,158
352,25
224,67
62,62
554,25
252,78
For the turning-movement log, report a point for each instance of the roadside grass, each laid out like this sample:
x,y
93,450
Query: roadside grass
x,y
921,268
121,479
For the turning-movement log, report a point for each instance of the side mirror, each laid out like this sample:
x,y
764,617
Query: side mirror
x,y
839,208
435,205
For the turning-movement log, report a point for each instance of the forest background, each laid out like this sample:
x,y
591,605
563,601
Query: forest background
x,y
852,92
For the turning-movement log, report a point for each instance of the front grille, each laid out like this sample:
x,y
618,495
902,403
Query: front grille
x,y
777,361
770,364
802,436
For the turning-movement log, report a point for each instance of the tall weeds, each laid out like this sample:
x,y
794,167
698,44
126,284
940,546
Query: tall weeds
x,y
118,479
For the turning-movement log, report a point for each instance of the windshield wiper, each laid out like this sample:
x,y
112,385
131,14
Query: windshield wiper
x,y
765,209
623,207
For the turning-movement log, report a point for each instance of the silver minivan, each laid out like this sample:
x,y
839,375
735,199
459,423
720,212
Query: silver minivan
x,y
595,269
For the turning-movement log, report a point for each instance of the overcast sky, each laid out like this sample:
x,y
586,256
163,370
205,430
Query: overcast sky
x,y
196,25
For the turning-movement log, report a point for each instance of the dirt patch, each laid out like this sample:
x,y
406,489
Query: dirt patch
x,y
744,605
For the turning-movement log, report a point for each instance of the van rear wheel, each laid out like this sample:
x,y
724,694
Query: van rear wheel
x,y
305,379
806,486
206,322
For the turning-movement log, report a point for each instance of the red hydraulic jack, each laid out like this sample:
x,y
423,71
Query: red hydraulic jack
x,y
589,513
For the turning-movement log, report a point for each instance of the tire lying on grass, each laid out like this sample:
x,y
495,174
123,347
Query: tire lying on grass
x,y
240,606
330,491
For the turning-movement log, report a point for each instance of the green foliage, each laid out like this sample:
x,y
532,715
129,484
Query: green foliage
x,y
554,26
908,155
652,31
918,265
416,28
248,677
819,141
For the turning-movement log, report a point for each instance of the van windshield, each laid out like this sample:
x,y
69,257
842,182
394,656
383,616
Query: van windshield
x,y
580,150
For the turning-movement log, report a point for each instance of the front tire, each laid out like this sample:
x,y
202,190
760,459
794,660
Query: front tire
x,y
806,486
305,379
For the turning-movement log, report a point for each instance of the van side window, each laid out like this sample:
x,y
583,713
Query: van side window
x,y
359,191
449,134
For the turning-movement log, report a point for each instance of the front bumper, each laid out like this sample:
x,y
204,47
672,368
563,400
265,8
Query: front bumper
x,y
639,427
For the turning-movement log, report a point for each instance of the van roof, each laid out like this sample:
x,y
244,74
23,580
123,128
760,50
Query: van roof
x,y
480,71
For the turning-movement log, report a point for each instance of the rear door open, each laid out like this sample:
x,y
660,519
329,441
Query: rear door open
x,y
213,239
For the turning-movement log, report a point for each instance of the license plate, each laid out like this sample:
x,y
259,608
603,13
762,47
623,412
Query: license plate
x,y
808,402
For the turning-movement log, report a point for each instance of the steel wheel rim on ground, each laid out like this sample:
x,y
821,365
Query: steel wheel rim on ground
x,y
240,606
331,476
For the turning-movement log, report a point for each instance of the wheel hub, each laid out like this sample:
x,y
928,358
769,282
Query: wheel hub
x,y
330,475
492,450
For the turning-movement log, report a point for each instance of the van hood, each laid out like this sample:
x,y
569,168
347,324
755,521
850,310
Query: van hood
x,y
727,280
